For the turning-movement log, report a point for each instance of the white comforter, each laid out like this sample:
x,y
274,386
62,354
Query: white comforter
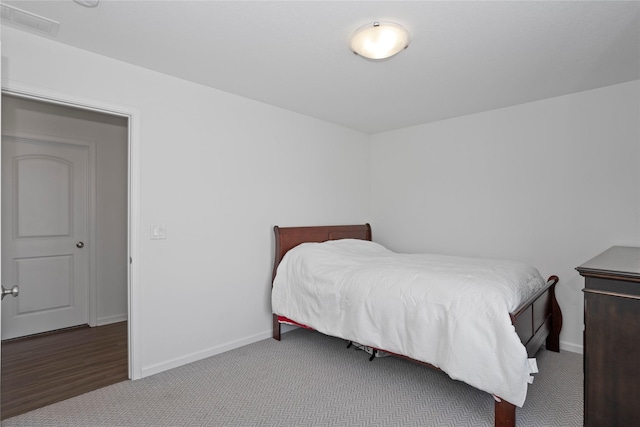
x,y
451,312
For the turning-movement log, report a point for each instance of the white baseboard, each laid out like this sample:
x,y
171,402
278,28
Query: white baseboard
x,y
574,348
111,319
193,357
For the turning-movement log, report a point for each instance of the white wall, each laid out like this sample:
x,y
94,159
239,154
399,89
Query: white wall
x,y
219,171
110,135
553,183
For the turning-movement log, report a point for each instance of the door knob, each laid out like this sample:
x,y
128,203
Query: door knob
x,y
80,245
13,292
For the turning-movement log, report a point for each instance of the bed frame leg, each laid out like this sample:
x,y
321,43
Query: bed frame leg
x,y
505,414
553,340
276,328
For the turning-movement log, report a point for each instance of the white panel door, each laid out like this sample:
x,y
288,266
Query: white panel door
x,y
45,199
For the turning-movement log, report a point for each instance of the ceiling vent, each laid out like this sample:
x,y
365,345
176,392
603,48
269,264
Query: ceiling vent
x,y
88,3
28,21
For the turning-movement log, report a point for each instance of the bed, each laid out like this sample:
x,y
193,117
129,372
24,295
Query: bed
x,y
535,318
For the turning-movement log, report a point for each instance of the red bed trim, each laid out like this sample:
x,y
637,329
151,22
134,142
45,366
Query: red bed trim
x,y
282,319
286,320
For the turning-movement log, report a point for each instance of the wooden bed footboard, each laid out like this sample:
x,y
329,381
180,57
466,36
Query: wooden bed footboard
x,y
537,320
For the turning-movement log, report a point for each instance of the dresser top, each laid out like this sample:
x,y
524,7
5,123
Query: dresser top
x,y
615,261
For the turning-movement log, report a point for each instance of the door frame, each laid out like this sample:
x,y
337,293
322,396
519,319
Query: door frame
x,y
21,90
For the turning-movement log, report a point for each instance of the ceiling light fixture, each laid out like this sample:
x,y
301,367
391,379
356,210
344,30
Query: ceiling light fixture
x,y
380,40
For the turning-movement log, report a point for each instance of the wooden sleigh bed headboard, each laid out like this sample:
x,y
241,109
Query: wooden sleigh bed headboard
x,y
290,237
536,321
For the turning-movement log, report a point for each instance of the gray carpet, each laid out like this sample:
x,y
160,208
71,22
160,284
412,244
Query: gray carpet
x,y
309,379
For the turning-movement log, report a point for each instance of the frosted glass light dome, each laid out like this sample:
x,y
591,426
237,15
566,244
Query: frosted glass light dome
x,y
379,40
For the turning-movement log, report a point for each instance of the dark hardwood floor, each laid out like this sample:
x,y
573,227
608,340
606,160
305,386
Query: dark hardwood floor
x,y
47,368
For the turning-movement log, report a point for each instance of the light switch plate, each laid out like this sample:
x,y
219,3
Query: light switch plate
x,y
158,232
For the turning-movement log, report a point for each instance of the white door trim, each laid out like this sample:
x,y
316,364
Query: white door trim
x,y
134,239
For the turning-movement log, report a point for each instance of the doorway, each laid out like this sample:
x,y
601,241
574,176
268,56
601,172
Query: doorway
x,y
96,294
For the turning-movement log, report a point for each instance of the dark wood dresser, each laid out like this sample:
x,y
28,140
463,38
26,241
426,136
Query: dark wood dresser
x,y
612,338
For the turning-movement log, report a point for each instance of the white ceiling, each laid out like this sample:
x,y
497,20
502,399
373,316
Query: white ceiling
x,y
464,57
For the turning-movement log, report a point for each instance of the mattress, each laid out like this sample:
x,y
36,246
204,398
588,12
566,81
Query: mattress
x,y
451,312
